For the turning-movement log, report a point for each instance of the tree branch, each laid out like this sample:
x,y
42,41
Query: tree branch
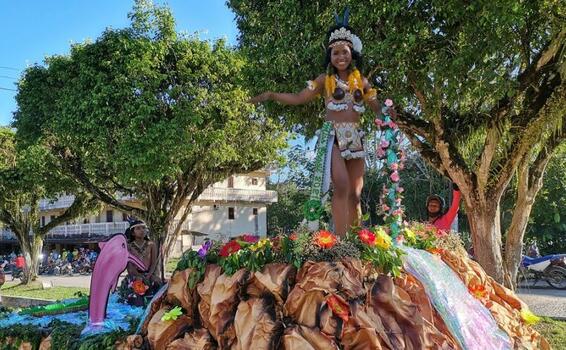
x,y
73,165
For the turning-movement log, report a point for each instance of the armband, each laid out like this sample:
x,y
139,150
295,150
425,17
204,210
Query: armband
x,y
311,85
371,95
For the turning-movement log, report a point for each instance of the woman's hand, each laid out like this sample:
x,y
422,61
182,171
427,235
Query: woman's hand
x,y
392,112
261,98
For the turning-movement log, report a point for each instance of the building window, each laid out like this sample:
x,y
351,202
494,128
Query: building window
x,y
51,218
254,181
43,221
255,211
124,217
109,216
230,213
231,182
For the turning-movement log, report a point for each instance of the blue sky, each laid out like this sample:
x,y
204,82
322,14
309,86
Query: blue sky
x,y
33,29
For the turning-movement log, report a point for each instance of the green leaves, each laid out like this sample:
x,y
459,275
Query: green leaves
x,y
172,314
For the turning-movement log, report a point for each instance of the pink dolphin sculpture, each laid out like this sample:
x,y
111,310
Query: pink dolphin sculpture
x,y
112,260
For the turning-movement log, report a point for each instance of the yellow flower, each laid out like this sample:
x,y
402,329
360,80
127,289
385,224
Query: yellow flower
x,y
382,239
529,317
262,243
409,234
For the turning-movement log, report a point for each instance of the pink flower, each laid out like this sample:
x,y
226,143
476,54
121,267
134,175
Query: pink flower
x,y
395,177
400,189
392,125
379,122
388,102
384,144
400,239
394,166
380,152
385,208
398,212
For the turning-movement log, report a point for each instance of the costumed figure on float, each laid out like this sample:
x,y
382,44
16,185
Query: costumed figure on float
x,y
340,150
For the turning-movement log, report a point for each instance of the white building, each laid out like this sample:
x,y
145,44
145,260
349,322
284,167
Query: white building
x,y
229,208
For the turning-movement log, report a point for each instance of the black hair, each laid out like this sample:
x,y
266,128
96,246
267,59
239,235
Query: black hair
x,y
357,59
129,231
440,200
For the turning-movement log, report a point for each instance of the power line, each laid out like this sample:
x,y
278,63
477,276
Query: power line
x,y
1,88
10,68
8,77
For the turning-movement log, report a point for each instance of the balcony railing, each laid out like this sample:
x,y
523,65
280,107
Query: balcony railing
x,y
88,230
209,194
236,194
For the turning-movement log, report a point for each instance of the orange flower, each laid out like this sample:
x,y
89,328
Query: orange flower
x,y
478,291
139,287
436,251
324,239
339,307
293,236
366,236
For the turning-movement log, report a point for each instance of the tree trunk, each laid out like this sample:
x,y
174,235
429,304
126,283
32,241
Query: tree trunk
x,y
31,251
529,184
485,226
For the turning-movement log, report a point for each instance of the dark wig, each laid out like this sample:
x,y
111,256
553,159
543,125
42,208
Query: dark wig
x,y
130,230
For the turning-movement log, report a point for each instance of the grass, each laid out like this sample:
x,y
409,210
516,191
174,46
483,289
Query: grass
x,y
35,290
554,331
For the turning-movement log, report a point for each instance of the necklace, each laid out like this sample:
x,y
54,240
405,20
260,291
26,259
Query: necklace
x,y
140,250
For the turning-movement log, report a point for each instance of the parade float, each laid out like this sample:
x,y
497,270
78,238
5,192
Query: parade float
x,y
396,286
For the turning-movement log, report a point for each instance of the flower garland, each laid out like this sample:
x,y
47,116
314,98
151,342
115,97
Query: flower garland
x,y
393,157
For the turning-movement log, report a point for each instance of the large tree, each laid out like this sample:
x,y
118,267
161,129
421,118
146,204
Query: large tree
x,y
480,86
148,112
27,177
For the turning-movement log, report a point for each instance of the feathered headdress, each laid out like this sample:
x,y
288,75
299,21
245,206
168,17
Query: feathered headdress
x,y
343,34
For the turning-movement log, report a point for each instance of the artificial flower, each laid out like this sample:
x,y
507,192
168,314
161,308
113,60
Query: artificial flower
x,y
293,236
139,287
172,314
395,176
229,249
388,102
366,236
324,239
339,307
436,251
410,234
382,239
478,291
529,317
249,238
203,251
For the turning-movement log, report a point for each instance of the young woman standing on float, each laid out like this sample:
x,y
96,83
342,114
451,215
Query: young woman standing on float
x,y
345,90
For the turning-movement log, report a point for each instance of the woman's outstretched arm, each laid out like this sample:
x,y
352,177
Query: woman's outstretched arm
x,y
315,88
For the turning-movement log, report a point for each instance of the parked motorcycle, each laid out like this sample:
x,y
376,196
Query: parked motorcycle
x,y
549,268
18,273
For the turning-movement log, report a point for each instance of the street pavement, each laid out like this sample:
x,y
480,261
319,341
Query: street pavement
x,y
542,301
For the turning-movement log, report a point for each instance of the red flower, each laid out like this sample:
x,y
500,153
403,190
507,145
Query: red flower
x,y
229,248
324,239
293,236
139,287
339,307
249,238
436,251
478,291
366,236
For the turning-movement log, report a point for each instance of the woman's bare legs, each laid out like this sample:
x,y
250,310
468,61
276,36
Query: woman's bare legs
x,y
341,194
355,168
